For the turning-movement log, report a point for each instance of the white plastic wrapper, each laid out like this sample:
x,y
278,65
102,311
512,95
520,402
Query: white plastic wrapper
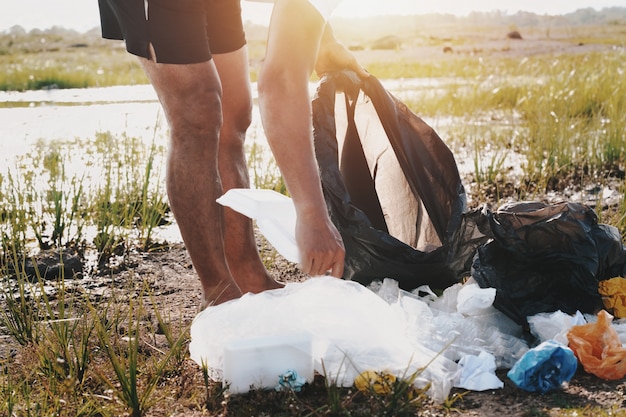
x,y
352,329
478,373
274,213
554,326
477,329
472,300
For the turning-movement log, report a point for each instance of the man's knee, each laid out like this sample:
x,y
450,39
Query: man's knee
x,y
240,120
199,112
238,114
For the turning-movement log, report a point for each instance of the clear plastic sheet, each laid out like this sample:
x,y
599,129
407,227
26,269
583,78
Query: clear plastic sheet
x,y
353,330
554,326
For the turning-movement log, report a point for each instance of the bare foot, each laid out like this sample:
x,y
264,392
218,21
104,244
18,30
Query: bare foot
x,y
220,294
253,278
257,285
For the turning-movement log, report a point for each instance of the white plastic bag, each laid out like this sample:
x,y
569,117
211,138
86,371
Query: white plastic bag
x,y
274,213
554,325
352,330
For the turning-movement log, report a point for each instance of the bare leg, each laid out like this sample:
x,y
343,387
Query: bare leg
x,y
241,250
191,98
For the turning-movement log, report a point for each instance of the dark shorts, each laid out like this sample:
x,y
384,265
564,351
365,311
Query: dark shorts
x,y
180,31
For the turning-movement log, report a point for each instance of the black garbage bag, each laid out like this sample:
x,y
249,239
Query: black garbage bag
x,y
394,192
547,257
392,186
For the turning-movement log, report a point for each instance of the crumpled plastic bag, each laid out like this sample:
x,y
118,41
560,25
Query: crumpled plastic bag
x,y
473,300
613,292
598,348
544,368
478,373
274,213
547,257
481,328
554,326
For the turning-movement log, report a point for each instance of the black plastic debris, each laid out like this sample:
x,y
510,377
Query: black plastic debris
x,y
547,257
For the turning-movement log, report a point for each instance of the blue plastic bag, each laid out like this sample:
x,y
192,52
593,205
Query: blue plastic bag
x,y
544,368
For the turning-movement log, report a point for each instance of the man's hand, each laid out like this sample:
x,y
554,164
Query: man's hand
x,y
321,247
333,56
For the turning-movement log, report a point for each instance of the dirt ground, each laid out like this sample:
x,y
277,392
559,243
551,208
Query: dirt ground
x,y
176,288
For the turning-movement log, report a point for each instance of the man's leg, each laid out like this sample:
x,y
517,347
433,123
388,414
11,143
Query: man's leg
x,y
241,250
191,98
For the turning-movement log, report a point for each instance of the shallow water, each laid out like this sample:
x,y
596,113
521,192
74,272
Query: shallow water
x,y
26,117
29,117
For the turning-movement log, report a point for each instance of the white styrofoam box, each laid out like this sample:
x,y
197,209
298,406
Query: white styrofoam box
x,y
259,362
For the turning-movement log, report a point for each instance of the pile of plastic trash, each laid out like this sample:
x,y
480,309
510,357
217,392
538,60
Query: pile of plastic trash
x,y
341,329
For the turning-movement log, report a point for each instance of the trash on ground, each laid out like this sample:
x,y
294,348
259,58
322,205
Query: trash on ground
x,y
353,330
377,382
478,373
290,381
445,329
613,292
554,325
547,257
598,348
393,190
259,360
544,368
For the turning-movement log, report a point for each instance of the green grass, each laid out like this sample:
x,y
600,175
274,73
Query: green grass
x,y
38,61
559,115
83,360
108,200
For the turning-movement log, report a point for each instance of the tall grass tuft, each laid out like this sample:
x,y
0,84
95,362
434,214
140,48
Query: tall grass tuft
x,y
106,197
563,113
136,375
19,315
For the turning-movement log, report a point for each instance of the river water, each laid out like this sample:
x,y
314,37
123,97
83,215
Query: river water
x,y
26,117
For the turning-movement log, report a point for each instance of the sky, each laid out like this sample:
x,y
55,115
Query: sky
x,y
82,15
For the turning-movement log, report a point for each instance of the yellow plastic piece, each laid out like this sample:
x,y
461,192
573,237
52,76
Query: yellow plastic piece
x,y
378,382
613,292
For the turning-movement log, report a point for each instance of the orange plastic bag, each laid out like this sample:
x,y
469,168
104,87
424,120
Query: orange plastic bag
x,y
598,348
